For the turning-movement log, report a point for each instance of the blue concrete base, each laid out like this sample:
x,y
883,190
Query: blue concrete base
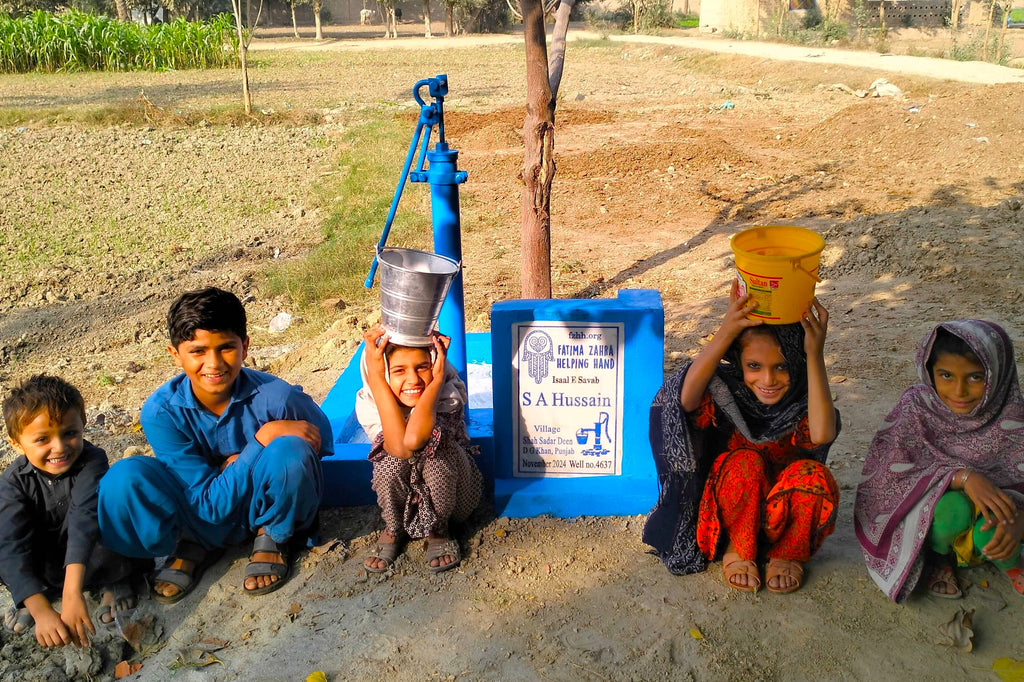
x,y
347,473
569,498
635,489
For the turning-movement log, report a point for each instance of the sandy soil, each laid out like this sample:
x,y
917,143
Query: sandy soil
x,y
921,205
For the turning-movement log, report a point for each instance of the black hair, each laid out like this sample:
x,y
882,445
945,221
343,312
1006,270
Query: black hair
x,y
392,347
946,342
37,393
211,309
750,332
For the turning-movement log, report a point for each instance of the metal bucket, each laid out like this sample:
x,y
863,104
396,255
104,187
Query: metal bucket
x,y
413,285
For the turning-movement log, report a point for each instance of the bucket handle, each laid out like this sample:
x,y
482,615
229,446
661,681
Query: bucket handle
x,y
812,275
458,264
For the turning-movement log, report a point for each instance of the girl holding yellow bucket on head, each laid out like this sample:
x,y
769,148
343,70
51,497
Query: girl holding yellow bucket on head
x,y
740,436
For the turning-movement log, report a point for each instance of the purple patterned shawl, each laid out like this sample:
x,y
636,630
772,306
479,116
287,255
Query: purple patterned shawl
x,y
922,443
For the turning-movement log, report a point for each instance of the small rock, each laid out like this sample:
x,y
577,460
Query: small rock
x,y
281,322
867,241
133,451
332,304
133,367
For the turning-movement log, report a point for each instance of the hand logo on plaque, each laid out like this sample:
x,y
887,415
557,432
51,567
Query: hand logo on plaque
x,y
537,353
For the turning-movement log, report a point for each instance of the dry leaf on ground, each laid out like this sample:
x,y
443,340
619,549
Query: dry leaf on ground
x,y
1008,669
124,669
957,632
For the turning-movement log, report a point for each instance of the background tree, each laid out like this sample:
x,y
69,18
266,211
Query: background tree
x,y
317,6
426,19
387,13
244,35
542,81
292,4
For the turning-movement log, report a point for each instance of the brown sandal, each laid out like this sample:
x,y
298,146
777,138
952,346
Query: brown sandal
x,y
733,565
941,573
780,568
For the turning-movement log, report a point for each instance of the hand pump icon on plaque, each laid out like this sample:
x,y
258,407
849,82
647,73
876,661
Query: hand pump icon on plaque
x,y
583,436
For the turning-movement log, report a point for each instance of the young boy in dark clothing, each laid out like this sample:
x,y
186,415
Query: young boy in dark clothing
x,y
237,454
49,535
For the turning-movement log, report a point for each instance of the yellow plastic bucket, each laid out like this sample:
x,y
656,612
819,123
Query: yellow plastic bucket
x,y
778,266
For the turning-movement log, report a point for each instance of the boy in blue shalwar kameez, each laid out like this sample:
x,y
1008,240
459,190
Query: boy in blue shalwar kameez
x,y
237,453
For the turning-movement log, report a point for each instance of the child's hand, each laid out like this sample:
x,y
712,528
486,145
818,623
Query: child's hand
x,y
736,320
996,506
1005,541
75,615
50,629
285,427
376,341
228,461
815,324
441,344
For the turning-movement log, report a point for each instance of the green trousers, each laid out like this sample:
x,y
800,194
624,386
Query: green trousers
x,y
954,514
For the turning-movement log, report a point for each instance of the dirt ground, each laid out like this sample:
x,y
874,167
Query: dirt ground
x,y
920,201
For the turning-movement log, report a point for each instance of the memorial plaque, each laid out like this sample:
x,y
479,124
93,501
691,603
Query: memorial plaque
x,y
567,394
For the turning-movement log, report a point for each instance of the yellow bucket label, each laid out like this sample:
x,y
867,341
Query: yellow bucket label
x,y
761,289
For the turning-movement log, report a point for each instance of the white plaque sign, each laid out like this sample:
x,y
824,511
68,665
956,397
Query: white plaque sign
x,y
567,388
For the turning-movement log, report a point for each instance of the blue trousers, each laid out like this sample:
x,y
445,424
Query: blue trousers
x,y
144,508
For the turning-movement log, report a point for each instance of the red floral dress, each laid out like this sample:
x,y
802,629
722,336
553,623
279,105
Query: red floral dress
x,y
770,488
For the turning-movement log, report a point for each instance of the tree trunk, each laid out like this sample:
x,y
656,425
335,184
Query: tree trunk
x,y
295,26
538,158
557,60
236,5
316,20
426,19
122,10
449,20
1002,31
988,30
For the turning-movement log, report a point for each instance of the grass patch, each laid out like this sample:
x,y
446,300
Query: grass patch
x,y
358,197
686,21
142,111
76,41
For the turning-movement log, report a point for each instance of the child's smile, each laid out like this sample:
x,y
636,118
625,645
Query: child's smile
x,y
764,369
409,372
51,446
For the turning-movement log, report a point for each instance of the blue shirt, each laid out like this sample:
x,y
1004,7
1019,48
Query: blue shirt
x,y
193,442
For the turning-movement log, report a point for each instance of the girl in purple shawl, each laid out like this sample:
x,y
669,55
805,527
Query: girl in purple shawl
x,y
945,473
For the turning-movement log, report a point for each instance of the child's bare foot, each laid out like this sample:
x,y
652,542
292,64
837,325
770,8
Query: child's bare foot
x,y
442,554
383,554
17,620
267,565
116,600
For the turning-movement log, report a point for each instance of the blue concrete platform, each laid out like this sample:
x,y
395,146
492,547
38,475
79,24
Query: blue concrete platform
x,y
552,384
347,472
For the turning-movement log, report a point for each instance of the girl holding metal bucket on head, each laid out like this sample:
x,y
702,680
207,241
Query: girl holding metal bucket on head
x,y
740,435
411,406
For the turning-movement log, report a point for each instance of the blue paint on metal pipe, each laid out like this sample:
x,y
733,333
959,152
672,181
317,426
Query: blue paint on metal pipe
x,y
444,179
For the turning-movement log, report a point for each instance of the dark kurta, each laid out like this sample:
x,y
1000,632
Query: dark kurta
x,y
47,522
